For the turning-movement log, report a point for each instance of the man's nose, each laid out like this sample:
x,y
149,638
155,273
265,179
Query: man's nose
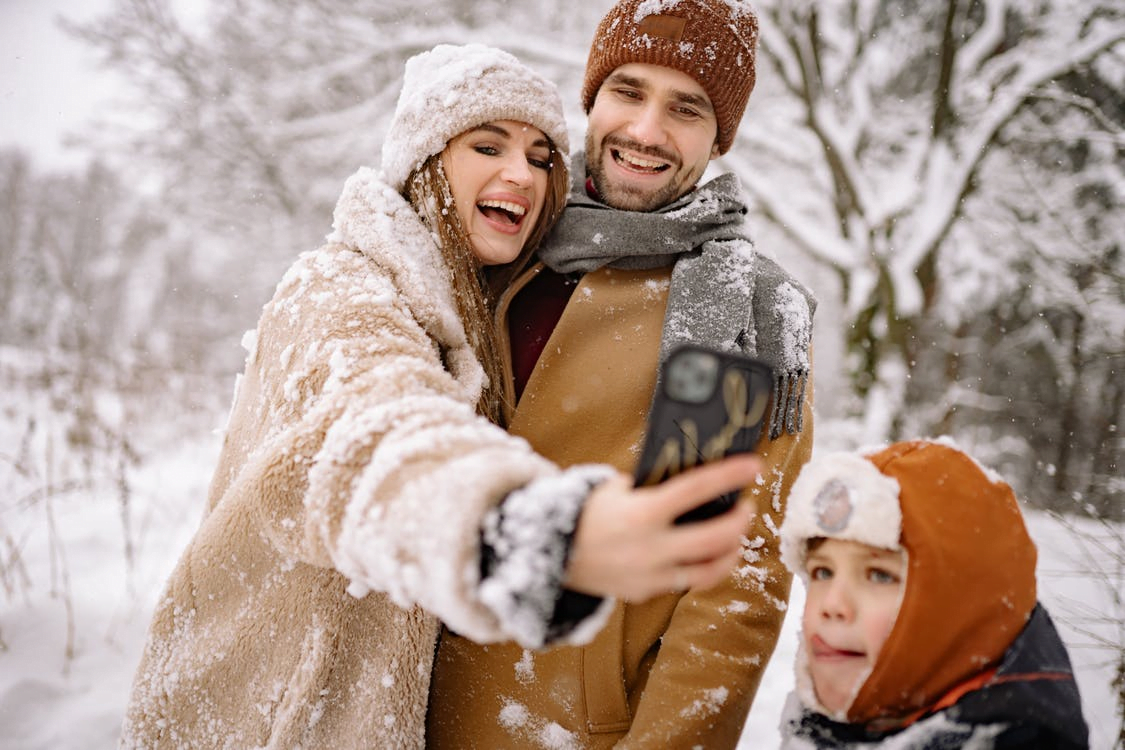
x,y
647,126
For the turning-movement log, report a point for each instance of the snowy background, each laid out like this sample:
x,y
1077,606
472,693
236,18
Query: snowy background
x,y
950,188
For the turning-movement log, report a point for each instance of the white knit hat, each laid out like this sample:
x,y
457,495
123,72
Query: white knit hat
x,y
451,89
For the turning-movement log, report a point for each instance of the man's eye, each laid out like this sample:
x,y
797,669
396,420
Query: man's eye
x,y
688,113
628,93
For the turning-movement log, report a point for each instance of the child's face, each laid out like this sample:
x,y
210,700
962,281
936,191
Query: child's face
x,y
854,592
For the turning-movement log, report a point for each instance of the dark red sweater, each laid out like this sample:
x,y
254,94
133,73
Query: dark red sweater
x,y
532,316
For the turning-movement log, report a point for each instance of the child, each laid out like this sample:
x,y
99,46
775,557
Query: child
x,y
921,627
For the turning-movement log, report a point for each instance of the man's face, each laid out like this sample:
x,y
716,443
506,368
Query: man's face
x,y
650,134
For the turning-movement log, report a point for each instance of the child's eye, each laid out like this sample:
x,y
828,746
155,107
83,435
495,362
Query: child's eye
x,y
876,575
819,573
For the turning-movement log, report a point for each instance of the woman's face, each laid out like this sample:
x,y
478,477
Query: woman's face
x,y
498,175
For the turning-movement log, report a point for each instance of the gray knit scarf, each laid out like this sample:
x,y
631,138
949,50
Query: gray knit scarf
x,y
723,293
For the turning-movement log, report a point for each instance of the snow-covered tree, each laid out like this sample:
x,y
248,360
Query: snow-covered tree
x,y
894,127
948,165
264,108
248,120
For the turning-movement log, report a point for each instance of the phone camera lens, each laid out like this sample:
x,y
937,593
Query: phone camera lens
x,y
692,376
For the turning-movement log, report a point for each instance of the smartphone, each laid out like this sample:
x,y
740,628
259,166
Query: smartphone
x,y
709,404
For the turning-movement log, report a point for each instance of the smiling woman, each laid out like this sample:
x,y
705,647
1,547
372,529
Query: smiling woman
x,y
498,173
307,606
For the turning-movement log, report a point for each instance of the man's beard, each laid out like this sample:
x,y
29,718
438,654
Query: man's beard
x,y
628,197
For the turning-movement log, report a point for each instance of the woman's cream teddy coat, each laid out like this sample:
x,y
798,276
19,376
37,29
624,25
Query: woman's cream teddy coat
x,y
344,519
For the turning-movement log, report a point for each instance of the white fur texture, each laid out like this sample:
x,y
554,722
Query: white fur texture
x,y
451,89
874,517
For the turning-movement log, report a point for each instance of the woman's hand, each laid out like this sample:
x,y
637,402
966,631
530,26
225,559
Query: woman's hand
x,y
628,546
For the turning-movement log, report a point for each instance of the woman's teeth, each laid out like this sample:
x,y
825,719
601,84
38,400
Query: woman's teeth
x,y
502,210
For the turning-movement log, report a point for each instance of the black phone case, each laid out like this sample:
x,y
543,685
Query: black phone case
x,y
726,419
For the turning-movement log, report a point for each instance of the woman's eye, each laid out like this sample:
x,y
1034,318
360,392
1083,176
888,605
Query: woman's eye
x,y
539,162
486,150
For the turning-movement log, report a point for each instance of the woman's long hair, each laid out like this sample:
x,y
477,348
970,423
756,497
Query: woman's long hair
x,y
476,286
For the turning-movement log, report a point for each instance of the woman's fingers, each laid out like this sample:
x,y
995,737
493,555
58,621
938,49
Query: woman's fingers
x,y
704,575
700,541
678,495
627,544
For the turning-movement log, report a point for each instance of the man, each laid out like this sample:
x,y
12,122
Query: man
x,y
644,259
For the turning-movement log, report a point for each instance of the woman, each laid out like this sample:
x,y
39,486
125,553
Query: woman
x,y
364,492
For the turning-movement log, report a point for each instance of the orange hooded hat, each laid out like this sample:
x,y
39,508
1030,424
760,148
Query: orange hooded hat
x,y
970,582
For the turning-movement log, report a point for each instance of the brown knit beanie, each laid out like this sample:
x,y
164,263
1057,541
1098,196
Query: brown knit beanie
x,y
713,41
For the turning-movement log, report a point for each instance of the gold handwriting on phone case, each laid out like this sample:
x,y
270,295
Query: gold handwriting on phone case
x,y
676,455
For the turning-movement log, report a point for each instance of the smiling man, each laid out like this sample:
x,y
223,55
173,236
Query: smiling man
x,y
651,133
644,258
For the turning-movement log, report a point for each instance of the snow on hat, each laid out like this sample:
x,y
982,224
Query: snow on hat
x,y
970,581
713,41
453,88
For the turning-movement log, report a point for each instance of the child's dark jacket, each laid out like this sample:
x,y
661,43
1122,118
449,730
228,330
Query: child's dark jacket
x,y
972,660
1031,702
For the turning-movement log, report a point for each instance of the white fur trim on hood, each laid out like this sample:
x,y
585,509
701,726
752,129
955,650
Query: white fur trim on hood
x,y
451,89
840,496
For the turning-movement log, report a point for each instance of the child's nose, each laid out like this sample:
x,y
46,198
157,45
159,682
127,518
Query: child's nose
x,y
837,603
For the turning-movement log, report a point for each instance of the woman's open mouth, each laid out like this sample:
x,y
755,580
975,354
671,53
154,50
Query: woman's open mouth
x,y
506,216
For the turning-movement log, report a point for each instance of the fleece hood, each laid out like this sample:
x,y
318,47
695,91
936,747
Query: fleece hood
x,y
970,582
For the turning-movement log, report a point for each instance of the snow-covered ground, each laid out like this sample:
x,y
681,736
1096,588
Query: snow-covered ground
x,y
73,612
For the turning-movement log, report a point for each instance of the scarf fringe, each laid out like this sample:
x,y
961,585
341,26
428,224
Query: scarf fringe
x,y
787,409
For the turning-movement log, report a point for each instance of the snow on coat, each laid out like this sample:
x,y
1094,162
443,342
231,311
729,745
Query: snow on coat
x,y
676,671
344,518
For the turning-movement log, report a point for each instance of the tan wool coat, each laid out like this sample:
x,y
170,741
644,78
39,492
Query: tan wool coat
x,y
344,517
675,672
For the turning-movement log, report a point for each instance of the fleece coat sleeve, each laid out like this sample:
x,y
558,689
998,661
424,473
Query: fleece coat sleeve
x,y
363,443
719,640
